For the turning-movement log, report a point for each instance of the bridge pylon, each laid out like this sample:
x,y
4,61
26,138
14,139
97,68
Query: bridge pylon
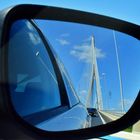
x,y
95,78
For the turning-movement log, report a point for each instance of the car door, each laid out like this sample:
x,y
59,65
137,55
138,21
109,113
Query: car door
x,y
35,80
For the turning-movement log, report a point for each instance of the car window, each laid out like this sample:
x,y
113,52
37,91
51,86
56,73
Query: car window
x,y
33,83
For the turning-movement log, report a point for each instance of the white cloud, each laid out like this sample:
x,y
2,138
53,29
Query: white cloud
x,y
99,53
32,35
30,26
63,41
34,38
84,53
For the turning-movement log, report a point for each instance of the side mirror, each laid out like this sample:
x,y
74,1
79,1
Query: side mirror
x,y
55,84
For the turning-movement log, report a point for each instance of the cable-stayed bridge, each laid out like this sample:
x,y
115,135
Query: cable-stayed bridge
x,y
101,116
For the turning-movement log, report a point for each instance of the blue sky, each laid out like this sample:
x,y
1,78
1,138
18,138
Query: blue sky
x,y
127,10
72,42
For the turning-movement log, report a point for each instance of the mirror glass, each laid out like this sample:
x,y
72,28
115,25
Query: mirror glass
x,y
67,76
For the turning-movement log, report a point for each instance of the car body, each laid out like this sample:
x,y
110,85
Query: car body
x,y
92,111
34,84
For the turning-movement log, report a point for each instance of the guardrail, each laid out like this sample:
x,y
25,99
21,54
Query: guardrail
x,y
112,116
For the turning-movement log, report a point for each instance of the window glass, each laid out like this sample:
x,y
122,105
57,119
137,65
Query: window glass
x,y
33,82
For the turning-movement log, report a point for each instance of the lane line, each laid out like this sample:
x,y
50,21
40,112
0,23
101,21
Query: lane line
x,y
103,121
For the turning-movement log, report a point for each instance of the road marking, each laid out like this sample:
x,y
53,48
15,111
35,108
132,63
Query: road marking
x,y
103,121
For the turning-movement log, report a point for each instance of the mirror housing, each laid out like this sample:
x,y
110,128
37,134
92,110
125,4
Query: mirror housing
x,y
7,17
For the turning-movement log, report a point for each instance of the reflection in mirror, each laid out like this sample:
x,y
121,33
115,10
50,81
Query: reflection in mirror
x,y
71,76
